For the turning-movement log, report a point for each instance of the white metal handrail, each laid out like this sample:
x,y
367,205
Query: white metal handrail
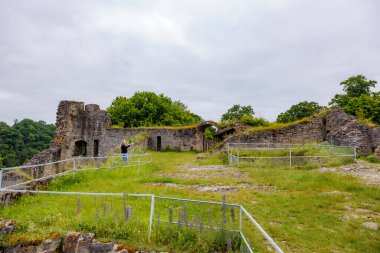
x,y
152,210
76,166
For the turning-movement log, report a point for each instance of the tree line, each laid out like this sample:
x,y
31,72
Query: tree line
x,y
18,143
358,99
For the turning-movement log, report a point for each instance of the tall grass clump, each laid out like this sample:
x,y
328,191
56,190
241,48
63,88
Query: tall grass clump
x,y
193,228
307,156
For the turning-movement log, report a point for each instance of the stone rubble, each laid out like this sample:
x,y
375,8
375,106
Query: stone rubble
x,y
369,172
73,242
217,188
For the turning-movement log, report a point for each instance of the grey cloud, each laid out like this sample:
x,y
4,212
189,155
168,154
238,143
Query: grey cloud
x,y
208,54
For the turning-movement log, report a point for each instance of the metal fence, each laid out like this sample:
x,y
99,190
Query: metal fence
x,y
111,210
21,176
107,211
280,154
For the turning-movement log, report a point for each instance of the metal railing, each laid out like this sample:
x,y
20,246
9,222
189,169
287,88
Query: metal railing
x,y
15,179
21,176
282,154
157,207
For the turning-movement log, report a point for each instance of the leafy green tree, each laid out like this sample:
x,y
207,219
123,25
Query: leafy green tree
x,y
210,133
236,112
21,141
299,111
149,109
358,99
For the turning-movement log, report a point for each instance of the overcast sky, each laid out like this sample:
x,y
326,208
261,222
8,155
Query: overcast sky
x,y
208,54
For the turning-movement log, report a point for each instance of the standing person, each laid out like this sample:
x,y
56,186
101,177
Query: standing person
x,y
124,151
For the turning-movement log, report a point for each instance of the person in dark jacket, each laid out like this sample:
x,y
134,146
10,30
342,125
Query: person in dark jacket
x,y
124,151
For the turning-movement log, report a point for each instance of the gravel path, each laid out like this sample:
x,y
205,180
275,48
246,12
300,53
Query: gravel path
x,y
369,172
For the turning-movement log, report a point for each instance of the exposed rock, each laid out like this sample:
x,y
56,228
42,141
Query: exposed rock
x,y
84,242
371,225
50,245
70,242
335,126
100,247
369,172
47,246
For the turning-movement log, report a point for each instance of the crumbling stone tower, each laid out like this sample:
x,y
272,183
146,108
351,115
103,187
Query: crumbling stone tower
x,y
79,129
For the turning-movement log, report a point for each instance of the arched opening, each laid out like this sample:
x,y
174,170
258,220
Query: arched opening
x,y
209,129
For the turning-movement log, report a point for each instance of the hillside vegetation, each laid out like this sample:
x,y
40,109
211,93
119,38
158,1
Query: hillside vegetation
x,y
20,142
303,210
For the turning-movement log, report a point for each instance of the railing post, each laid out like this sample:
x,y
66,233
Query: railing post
x,y
355,153
112,160
138,165
151,218
290,157
241,220
74,166
1,178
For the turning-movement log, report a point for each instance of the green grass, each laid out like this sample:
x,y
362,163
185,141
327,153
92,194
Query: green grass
x,y
307,156
304,212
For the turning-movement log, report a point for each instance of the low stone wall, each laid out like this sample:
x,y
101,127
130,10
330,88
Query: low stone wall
x,y
334,126
73,242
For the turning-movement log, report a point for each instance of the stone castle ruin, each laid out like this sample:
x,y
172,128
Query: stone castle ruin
x,y
85,130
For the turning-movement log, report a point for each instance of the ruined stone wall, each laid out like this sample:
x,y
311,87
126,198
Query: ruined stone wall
x,y
375,136
335,126
177,139
345,130
86,130
307,131
79,123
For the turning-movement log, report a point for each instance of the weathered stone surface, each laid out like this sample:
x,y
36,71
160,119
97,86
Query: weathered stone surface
x,y
84,242
123,251
377,152
345,130
307,131
335,126
50,246
70,242
371,225
99,247
47,246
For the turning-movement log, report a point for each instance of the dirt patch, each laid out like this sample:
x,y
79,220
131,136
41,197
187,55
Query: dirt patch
x,y
335,193
207,167
217,188
207,172
360,213
369,172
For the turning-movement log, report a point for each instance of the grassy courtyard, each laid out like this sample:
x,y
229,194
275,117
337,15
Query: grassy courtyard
x,y
303,210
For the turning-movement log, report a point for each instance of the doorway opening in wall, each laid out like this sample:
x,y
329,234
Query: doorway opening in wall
x,y
96,148
158,143
80,148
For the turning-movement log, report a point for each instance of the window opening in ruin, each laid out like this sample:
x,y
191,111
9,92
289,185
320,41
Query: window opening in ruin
x,y
158,143
80,148
96,148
